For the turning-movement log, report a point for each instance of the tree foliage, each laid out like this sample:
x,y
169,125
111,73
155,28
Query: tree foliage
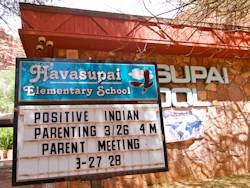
x,y
226,12
7,80
9,8
6,138
210,11
217,11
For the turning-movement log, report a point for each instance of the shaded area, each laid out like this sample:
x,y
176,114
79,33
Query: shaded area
x,y
229,181
6,176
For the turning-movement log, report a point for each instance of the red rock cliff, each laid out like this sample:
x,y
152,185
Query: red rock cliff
x,y
10,48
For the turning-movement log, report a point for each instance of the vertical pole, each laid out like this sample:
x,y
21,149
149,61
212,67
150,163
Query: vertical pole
x,y
96,184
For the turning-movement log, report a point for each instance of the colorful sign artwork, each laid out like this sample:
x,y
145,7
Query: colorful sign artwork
x,y
86,81
183,125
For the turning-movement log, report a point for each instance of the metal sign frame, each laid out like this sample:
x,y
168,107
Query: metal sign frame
x,y
82,177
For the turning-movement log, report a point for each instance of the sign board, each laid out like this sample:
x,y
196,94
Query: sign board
x,y
60,135
59,141
63,81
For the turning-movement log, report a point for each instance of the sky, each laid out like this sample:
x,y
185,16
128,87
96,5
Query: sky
x,y
134,7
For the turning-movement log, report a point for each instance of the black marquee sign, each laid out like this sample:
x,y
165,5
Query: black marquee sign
x,y
88,119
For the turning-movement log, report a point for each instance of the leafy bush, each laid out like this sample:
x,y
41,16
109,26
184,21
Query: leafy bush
x,y
7,84
6,138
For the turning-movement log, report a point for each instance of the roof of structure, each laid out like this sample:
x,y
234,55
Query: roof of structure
x,y
94,30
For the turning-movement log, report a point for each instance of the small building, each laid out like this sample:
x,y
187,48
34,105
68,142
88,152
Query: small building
x,y
209,64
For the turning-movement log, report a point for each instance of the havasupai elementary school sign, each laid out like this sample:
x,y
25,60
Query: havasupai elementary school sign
x,y
86,118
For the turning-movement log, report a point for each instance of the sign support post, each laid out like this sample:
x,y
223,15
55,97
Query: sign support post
x,y
96,184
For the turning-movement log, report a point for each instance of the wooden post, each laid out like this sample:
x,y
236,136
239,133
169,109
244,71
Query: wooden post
x,y
96,184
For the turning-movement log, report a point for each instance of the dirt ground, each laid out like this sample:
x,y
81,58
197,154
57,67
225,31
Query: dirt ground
x,y
240,181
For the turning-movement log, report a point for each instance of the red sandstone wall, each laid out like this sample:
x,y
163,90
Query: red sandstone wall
x,y
10,48
224,149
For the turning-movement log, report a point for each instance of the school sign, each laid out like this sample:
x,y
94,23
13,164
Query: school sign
x,y
86,118
74,81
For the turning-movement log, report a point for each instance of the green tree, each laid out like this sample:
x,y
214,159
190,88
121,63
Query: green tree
x,y
7,79
6,138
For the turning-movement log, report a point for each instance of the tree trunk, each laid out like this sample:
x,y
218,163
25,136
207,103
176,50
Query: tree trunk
x,y
5,154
